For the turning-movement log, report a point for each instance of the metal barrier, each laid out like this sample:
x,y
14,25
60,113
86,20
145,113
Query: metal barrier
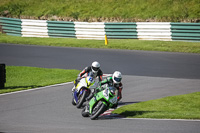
x,y
1,30
185,31
154,31
93,30
121,30
61,29
11,26
97,30
34,28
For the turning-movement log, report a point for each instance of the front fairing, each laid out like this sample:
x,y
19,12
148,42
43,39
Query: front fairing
x,y
81,87
111,94
83,83
106,97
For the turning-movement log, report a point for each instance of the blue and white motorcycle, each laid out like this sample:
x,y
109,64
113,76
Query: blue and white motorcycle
x,y
82,90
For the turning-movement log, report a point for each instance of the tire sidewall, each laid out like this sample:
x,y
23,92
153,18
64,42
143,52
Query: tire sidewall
x,y
101,110
82,100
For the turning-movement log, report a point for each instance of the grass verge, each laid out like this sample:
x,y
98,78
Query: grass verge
x,y
130,44
103,10
174,107
22,78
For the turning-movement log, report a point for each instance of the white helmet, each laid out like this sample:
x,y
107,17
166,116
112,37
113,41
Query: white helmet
x,y
117,77
95,66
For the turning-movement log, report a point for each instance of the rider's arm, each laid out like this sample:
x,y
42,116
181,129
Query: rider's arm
x,y
105,81
119,95
120,92
100,78
85,70
100,74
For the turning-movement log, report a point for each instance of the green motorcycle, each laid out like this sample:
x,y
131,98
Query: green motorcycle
x,y
101,102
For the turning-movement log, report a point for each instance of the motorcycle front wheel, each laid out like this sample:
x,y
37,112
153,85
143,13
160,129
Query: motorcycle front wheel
x,y
98,109
81,99
73,100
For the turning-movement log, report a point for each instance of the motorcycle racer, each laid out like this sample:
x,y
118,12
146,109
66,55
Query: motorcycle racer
x,y
115,81
94,69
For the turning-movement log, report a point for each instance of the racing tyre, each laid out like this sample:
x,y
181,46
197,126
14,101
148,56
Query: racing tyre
x,y
73,100
98,109
81,99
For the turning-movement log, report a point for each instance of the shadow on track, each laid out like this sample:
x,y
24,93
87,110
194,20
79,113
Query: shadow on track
x,y
126,103
109,115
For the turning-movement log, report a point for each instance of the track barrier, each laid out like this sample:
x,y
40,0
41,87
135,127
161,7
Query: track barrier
x,y
165,31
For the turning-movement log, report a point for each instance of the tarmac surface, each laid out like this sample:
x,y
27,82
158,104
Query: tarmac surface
x,y
146,76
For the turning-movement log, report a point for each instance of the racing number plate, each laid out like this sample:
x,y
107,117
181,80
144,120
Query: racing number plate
x,y
113,100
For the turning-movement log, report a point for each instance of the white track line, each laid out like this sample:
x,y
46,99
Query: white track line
x,y
109,113
117,118
105,75
35,89
192,120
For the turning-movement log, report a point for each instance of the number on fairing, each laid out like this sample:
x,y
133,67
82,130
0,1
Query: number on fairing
x,y
113,100
90,79
105,93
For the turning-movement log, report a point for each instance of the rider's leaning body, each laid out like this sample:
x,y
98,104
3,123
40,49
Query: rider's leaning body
x,y
89,69
94,70
110,82
115,81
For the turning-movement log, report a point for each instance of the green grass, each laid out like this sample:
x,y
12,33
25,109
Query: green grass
x,y
22,78
103,10
129,44
174,107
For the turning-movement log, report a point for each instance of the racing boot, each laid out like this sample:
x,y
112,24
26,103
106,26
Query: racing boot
x,y
73,90
87,107
75,84
85,111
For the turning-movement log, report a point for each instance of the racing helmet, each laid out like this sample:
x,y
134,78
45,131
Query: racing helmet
x,y
117,77
95,66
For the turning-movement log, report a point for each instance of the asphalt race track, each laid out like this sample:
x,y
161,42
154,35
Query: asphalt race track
x,y
147,75
140,63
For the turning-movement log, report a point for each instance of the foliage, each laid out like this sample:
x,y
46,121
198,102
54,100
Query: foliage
x,y
105,10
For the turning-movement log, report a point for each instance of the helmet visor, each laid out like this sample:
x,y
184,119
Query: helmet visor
x,y
117,79
95,68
